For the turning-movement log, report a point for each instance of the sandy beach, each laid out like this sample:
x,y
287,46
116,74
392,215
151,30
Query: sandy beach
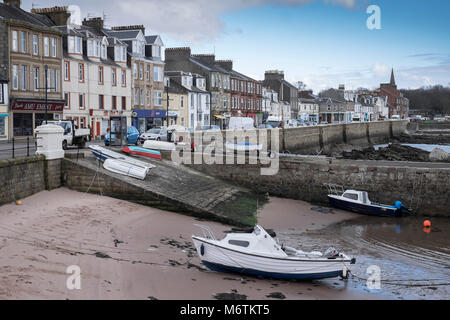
x,y
129,251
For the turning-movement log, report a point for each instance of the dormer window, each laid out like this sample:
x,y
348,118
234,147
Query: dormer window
x,y
156,51
75,45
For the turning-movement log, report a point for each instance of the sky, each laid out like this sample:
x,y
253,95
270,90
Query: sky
x,y
322,43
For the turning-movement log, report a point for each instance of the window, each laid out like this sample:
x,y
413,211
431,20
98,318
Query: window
x,y
182,102
23,42
192,101
89,48
15,72
213,82
206,119
82,122
157,95
78,45
124,54
100,75
114,76
351,196
1,94
114,103
36,79
148,97
55,78
147,73
53,47
141,71
135,71
67,100
156,51
136,96
124,78
2,127
96,49
239,243
81,101
101,101
199,117
81,72
142,97
157,74
103,51
66,70
46,47
35,45
15,46
124,103
23,79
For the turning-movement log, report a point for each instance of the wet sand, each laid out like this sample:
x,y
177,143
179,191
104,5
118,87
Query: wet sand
x,y
129,251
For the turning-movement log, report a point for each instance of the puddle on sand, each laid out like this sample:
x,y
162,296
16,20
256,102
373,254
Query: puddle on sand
x,y
414,264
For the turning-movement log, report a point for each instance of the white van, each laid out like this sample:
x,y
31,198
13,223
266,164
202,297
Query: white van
x,y
241,123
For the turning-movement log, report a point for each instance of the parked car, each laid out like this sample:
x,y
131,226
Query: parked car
x,y
132,136
158,134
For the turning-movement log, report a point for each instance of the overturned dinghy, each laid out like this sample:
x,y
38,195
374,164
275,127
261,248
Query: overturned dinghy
x,y
159,145
258,254
126,168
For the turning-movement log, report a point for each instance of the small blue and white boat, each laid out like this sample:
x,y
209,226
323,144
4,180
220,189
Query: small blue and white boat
x,y
358,201
258,254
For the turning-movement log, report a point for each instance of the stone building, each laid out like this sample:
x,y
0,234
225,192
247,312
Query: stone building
x,y
147,75
287,92
398,104
246,94
218,81
30,59
188,99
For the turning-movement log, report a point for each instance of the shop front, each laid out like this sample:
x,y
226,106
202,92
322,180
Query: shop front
x,y
27,114
99,121
144,120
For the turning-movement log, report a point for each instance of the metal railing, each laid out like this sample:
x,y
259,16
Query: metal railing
x,y
17,147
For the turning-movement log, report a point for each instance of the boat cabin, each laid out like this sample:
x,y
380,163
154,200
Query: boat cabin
x,y
257,242
357,196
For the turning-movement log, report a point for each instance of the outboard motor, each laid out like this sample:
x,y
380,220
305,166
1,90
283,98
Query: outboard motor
x,y
401,207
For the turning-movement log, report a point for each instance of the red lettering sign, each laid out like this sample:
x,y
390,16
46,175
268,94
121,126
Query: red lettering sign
x,y
37,105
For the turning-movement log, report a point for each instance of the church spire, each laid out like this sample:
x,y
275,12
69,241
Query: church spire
x,y
392,77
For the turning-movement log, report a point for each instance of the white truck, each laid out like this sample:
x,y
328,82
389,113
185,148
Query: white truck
x,y
72,135
241,123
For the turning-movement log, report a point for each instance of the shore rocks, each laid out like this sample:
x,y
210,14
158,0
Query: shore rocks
x,y
393,152
439,155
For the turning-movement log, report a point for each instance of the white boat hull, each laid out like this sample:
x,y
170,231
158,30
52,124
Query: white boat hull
x,y
239,147
219,258
125,168
159,145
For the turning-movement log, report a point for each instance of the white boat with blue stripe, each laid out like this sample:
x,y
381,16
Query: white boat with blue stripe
x,y
258,254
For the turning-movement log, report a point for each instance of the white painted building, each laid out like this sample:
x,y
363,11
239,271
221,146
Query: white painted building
x,y
96,79
273,106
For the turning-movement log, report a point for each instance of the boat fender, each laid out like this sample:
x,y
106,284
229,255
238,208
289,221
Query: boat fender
x,y
202,250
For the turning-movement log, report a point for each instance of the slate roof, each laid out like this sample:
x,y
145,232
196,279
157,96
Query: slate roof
x,y
8,12
123,34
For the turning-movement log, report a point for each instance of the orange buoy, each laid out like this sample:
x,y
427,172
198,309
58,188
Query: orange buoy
x,y
427,224
18,202
426,230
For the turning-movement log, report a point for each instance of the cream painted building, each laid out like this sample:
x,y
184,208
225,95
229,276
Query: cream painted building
x,y
96,78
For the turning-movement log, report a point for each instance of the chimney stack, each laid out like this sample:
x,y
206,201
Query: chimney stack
x,y
226,64
13,3
209,59
59,15
173,54
97,23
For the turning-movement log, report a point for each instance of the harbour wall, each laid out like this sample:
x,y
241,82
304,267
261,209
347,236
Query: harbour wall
x,y
23,177
323,138
424,189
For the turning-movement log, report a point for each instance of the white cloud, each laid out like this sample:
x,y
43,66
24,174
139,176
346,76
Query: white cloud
x,y
380,69
190,21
